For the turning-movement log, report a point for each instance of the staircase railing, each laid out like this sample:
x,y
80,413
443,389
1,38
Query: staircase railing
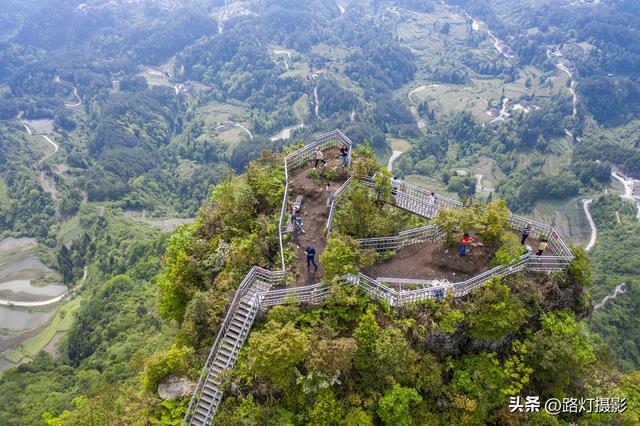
x,y
407,196
248,281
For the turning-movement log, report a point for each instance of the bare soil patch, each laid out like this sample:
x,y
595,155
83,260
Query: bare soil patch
x,y
314,212
430,261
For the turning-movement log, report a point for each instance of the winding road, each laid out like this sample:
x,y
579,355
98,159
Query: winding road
x,y
620,289
628,190
592,224
75,92
393,157
55,146
246,130
4,302
288,56
315,96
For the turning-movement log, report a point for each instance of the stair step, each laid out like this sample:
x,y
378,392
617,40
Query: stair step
x,y
197,419
219,364
202,411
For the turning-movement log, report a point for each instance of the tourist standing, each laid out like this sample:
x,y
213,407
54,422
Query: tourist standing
x,y
311,255
525,232
344,156
394,185
319,157
297,220
542,247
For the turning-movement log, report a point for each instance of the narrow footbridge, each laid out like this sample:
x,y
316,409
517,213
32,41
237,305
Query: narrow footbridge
x,y
257,293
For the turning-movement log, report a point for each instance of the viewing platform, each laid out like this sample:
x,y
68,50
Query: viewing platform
x,y
416,264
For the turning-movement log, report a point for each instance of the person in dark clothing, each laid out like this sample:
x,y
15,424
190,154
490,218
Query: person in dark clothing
x,y
311,254
344,155
525,232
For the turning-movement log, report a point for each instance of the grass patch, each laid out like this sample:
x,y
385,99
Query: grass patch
x,y
430,184
70,229
14,356
61,322
216,113
566,215
301,108
399,144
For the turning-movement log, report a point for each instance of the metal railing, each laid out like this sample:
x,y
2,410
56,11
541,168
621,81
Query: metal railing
x,y
406,196
299,158
431,233
334,202
255,274
419,201
282,223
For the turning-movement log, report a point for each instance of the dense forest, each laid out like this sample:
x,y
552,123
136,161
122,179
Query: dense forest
x,y
348,361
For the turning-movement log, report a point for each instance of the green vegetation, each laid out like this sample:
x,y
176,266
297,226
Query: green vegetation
x,y
614,262
61,322
391,367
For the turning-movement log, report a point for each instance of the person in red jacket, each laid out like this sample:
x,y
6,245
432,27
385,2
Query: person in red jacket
x,y
464,242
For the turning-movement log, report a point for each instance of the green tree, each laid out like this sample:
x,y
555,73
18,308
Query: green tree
x,y
195,324
326,411
65,264
396,406
366,335
179,280
393,357
429,376
479,381
161,364
329,356
341,256
516,371
580,269
275,351
495,313
358,417
509,252
560,353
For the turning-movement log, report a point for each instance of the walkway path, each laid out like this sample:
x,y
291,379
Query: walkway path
x,y
393,157
314,212
594,231
620,289
75,92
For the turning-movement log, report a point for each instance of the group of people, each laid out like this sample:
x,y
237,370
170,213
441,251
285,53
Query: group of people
x,y
526,231
295,212
309,251
319,157
467,239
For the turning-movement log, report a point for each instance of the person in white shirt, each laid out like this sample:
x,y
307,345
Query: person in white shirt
x,y
319,157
